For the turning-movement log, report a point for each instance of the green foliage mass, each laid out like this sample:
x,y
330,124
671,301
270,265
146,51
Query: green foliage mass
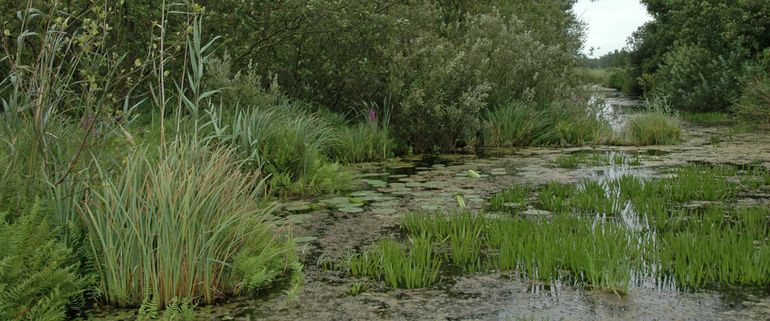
x,y
39,275
697,52
438,64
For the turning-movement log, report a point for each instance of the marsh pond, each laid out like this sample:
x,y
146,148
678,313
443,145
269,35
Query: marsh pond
x,y
587,233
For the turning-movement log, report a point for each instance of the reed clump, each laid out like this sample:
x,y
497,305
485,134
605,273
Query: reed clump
x,y
186,224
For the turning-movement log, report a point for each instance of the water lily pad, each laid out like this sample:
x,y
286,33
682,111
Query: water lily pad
x,y
299,218
352,204
335,201
414,184
385,204
364,193
435,184
369,175
384,211
350,209
397,176
377,198
375,183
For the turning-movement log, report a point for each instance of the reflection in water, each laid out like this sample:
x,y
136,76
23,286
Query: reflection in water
x,y
613,108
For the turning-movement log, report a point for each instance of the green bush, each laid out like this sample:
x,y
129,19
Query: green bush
x,y
39,275
619,79
754,103
442,80
697,80
594,76
187,225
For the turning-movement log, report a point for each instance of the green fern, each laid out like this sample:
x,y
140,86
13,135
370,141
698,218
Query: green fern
x,y
39,278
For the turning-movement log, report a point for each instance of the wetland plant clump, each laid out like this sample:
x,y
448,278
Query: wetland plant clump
x,y
604,235
562,123
509,199
696,248
613,196
576,159
191,227
650,128
708,118
410,266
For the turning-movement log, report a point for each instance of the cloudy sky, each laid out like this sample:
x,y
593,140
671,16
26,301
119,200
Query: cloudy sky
x,y
610,22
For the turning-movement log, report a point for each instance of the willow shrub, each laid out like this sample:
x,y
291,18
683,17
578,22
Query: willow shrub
x,y
754,103
186,224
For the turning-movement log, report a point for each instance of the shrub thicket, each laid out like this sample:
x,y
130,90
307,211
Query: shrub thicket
x,y
695,51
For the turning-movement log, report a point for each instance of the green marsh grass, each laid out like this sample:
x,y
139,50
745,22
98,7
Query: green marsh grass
x,y
361,142
555,197
702,183
569,161
756,178
357,288
462,230
562,123
512,124
651,128
187,224
505,200
367,263
593,197
574,160
409,268
696,247
406,266
465,240
710,118
546,250
286,142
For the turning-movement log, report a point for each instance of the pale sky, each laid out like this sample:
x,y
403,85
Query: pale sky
x,y
610,22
